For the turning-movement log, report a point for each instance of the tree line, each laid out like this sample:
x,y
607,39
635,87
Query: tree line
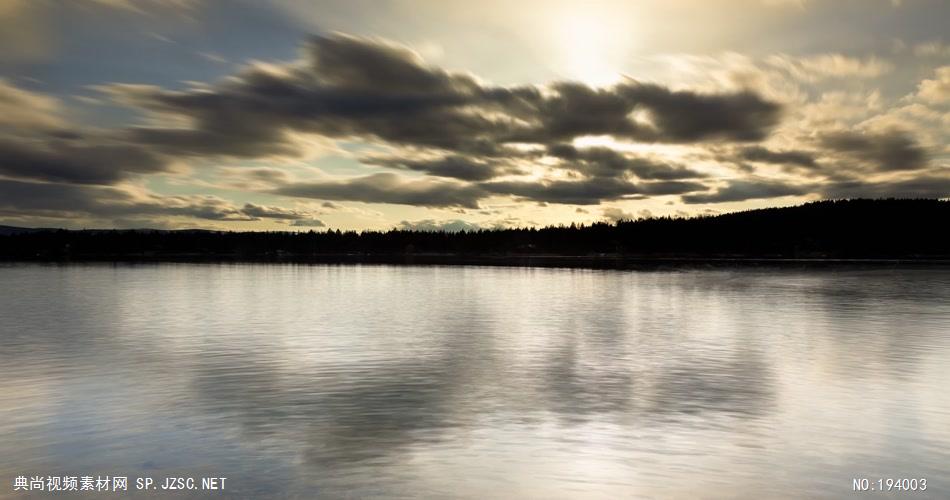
x,y
842,229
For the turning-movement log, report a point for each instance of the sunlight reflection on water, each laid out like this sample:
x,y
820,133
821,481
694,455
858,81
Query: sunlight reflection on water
x,y
474,382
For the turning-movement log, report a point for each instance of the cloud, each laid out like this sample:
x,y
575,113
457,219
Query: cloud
x,y
358,87
72,200
432,225
780,3
160,224
252,178
308,223
22,110
684,116
936,185
112,202
588,191
210,56
742,190
199,207
932,49
389,188
885,151
815,68
260,211
937,90
449,125
456,167
343,87
585,192
37,143
606,162
473,140
615,214
77,162
670,116
149,6
789,157
25,31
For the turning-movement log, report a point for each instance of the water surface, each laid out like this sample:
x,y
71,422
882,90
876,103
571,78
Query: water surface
x,y
477,382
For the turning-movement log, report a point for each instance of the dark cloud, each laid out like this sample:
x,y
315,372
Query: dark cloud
x,y
59,199
308,223
260,211
575,110
348,86
884,151
589,191
741,190
265,174
684,116
345,87
584,192
65,161
199,207
461,132
366,88
389,188
930,186
227,134
72,200
456,167
789,157
606,162
660,188
365,65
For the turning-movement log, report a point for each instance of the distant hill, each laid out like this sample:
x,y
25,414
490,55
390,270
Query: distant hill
x,y
846,229
5,230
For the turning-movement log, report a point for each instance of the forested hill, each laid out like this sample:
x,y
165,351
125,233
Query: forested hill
x,y
849,229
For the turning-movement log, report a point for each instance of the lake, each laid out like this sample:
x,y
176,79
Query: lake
x,y
476,382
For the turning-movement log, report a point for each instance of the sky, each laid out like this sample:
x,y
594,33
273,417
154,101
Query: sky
x,y
372,115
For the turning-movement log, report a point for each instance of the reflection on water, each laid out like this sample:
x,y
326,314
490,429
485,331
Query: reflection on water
x,y
477,382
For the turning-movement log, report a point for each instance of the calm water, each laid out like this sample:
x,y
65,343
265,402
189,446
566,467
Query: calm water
x,y
468,382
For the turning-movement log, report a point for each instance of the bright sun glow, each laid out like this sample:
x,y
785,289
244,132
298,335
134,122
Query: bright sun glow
x,y
591,45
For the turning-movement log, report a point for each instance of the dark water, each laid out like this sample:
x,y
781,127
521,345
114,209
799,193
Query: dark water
x,y
466,382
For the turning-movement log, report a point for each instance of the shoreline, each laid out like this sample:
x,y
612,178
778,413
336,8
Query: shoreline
x,y
539,260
